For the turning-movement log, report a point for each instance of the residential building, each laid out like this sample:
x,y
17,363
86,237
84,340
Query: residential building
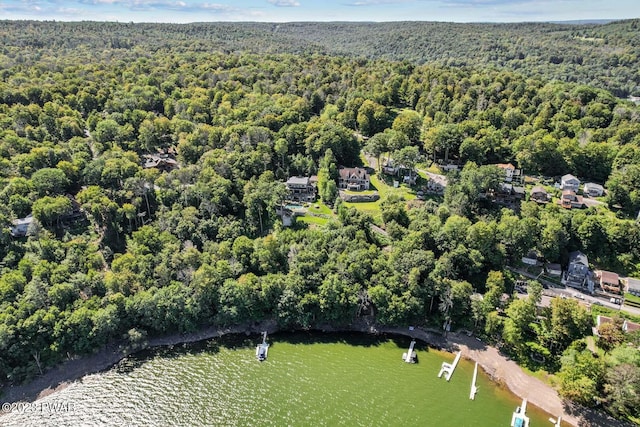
x,y
577,273
532,258
538,194
508,195
570,200
511,173
626,325
609,281
301,189
570,182
436,183
553,269
593,190
20,226
354,179
632,286
164,162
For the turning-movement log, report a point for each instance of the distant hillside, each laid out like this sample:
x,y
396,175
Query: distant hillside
x,y
604,56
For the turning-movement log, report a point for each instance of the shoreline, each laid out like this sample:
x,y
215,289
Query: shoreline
x,y
497,366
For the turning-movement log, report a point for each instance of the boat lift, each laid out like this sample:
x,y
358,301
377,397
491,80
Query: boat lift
x,y
263,348
448,368
410,356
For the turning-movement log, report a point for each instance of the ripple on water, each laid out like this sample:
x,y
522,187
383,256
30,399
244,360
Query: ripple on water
x,y
314,380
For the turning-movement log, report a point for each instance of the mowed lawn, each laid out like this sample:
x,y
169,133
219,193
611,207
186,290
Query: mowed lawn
x,y
384,190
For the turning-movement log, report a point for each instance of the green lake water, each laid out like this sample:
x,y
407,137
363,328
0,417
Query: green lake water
x,y
309,379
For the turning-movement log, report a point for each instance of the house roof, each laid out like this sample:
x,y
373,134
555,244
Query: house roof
x,y
298,180
506,166
609,277
440,179
568,193
350,173
569,177
593,185
551,266
578,257
518,190
633,284
538,189
23,221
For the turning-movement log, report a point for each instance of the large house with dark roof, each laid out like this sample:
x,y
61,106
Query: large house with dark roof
x,y
301,189
577,273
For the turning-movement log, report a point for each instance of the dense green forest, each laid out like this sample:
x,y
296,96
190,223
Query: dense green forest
x,y
157,251
600,55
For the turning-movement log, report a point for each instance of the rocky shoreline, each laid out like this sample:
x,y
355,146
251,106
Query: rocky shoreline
x,y
501,369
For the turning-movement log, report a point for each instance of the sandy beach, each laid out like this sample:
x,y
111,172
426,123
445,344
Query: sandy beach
x,y
500,368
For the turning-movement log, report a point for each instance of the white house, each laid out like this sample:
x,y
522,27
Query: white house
x,y
20,227
593,190
570,182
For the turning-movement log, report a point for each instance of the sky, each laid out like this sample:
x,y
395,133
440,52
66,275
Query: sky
x,y
183,11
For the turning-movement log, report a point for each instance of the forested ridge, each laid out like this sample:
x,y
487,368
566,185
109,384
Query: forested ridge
x,y
158,251
601,55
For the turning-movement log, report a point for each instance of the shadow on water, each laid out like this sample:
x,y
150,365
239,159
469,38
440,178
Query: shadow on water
x,y
244,341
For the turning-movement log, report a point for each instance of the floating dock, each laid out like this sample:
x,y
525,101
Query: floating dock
x,y
474,388
448,368
519,417
263,348
410,356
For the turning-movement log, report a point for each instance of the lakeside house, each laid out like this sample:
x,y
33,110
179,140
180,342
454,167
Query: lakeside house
x,y
353,179
569,182
593,190
609,281
301,189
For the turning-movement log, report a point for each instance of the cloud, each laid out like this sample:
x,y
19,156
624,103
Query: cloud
x,y
284,3
376,2
175,6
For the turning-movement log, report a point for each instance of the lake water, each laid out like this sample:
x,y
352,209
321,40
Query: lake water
x,y
309,379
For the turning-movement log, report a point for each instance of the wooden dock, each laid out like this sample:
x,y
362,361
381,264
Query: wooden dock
x,y
474,387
